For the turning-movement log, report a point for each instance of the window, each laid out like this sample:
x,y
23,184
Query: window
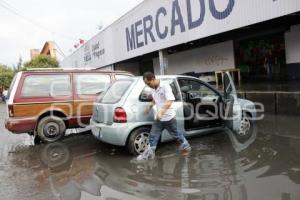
x,y
11,86
121,76
46,85
90,84
196,88
116,91
146,94
227,87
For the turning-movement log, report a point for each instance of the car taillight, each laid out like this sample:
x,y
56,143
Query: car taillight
x,y
120,115
10,110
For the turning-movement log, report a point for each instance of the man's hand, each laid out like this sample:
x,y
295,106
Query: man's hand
x,y
147,110
164,109
159,116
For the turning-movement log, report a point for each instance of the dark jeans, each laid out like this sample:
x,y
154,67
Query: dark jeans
x,y
171,127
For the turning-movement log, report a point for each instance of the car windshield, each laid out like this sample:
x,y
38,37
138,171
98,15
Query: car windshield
x,y
116,91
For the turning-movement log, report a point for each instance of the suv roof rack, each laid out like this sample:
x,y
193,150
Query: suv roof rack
x,y
59,69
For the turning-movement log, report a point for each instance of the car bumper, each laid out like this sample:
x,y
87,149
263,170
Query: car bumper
x,y
20,125
116,133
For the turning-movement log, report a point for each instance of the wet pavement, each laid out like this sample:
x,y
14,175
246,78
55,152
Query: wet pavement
x,y
266,166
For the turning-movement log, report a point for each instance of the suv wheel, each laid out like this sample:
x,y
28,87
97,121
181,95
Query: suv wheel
x,y
51,129
138,140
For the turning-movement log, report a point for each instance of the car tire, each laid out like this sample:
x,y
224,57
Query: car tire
x,y
246,128
51,129
138,140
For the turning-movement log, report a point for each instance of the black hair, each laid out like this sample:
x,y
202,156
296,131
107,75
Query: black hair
x,y
148,76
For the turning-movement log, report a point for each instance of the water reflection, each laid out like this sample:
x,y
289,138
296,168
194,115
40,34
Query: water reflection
x,y
220,167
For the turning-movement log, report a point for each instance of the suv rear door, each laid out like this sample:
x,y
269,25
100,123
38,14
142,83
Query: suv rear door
x,y
87,86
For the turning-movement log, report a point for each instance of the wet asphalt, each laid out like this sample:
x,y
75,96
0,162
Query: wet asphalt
x,y
266,166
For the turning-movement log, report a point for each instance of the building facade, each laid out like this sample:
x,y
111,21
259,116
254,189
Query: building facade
x,y
199,36
48,49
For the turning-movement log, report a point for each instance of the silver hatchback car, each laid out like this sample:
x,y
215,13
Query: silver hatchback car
x,y
119,118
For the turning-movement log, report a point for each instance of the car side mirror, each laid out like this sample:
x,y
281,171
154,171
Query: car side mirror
x,y
100,92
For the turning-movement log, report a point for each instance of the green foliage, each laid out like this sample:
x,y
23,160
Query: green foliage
x,y
41,61
6,76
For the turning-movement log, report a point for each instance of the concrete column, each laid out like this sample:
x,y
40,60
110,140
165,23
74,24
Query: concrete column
x,y
163,62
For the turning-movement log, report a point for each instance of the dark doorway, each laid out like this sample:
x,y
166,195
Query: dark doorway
x,y
261,58
146,66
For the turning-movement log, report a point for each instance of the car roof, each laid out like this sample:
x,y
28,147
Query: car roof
x,y
159,77
171,76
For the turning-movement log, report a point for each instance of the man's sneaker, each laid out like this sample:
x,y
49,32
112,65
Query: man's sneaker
x,y
185,148
148,153
186,151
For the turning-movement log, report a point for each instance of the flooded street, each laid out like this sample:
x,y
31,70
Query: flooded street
x,y
220,167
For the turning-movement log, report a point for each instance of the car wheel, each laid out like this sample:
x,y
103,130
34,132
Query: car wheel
x,y
138,140
51,129
246,128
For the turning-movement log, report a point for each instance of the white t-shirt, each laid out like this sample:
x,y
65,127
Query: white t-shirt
x,y
162,94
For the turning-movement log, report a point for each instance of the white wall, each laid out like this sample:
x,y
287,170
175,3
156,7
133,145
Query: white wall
x,y
292,45
205,59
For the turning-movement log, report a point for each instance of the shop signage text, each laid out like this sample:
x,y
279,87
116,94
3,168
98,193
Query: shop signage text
x,y
149,29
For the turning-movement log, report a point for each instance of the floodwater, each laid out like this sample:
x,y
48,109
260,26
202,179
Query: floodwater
x,y
266,166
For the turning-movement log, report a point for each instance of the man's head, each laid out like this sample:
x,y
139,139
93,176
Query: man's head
x,y
149,79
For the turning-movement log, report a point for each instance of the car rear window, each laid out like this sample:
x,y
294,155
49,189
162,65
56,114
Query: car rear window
x,y
116,91
46,85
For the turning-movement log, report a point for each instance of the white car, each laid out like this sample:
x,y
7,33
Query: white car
x,y
119,119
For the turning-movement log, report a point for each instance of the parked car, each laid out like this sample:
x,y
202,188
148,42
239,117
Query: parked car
x,y
119,119
47,102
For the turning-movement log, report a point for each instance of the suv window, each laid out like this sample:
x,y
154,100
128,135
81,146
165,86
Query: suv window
x,y
11,86
146,94
116,91
89,84
46,85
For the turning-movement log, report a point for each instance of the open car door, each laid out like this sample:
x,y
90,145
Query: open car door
x,y
232,109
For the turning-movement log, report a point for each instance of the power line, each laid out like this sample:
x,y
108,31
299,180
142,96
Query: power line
x,y
16,12
59,50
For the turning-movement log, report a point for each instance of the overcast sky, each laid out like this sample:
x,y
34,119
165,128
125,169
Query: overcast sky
x,y
27,24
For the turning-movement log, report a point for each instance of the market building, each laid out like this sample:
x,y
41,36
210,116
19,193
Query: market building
x,y
200,37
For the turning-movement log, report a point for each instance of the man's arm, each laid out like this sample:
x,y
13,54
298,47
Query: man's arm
x,y
164,109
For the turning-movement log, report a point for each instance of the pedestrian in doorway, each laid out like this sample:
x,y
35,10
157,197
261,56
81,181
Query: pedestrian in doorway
x,y
165,117
269,64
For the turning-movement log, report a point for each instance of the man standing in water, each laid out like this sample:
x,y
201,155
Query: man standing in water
x,y
165,118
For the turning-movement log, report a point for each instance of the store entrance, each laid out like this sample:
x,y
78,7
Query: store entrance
x,y
261,58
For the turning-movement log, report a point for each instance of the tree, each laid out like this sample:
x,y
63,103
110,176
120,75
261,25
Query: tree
x,y
19,64
41,61
6,76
